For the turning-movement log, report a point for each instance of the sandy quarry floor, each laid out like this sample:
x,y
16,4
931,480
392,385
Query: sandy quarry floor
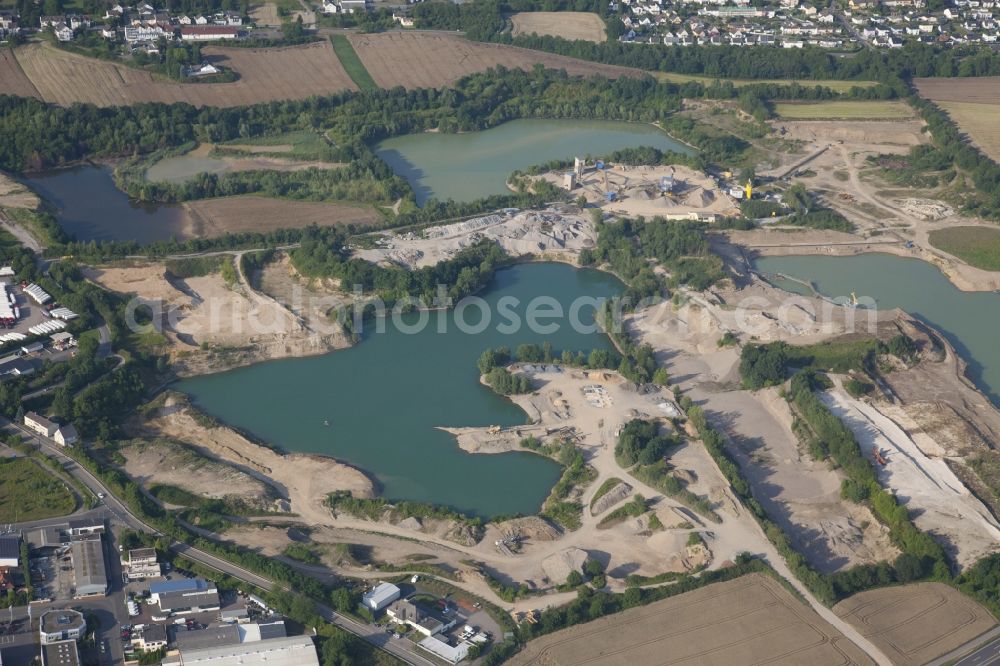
x,y
304,480
170,463
886,216
555,233
750,620
237,324
803,496
914,624
938,501
637,191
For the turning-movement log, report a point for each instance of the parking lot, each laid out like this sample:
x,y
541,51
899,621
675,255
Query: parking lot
x,y
52,577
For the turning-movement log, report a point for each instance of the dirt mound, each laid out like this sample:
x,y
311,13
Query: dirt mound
x,y
610,498
167,462
559,565
699,198
532,527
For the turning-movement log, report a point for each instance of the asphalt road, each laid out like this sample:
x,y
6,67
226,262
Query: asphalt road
x,y
988,655
404,650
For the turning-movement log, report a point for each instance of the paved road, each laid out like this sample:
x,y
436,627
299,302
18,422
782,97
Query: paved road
x,y
984,656
403,650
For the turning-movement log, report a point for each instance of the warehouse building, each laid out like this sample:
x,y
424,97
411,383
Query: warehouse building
x,y
289,651
380,596
187,595
88,565
63,653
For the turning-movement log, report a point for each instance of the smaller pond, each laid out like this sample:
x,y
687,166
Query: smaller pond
x,y
184,167
90,207
469,166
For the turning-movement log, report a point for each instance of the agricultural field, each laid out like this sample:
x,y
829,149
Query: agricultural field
x,y
266,75
979,89
748,620
914,624
976,246
979,122
568,25
432,60
848,110
832,84
13,80
216,217
973,103
352,64
27,492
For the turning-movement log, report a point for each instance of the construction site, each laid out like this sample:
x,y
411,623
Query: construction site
x,y
674,192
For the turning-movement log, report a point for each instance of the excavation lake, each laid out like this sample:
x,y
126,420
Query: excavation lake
x,y
384,398
970,320
90,207
472,165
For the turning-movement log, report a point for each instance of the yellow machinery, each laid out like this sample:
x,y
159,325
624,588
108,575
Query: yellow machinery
x,y
748,188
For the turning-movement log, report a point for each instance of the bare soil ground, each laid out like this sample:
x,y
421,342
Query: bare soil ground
x,y
13,80
922,480
211,326
294,72
802,495
432,60
15,195
266,14
748,620
559,232
167,462
215,217
304,480
568,25
886,216
914,624
638,191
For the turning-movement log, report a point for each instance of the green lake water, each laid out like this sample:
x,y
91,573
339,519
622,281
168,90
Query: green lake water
x,y
384,397
472,165
181,168
970,320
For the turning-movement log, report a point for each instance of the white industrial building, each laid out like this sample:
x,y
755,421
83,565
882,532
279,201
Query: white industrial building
x,y
61,625
380,596
187,595
88,565
142,564
288,651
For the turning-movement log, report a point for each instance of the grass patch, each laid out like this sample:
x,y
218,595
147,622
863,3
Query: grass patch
x,y
632,509
976,246
301,144
194,266
979,121
352,63
300,552
27,492
836,86
846,110
605,489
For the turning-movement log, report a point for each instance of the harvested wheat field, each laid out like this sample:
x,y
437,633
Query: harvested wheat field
x,y
981,89
432,60
913,624
265,15
981,122
13,80
295,72
214,217
748,620
568,25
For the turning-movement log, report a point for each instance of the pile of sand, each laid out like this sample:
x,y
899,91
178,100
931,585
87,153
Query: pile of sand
x,y
559,565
